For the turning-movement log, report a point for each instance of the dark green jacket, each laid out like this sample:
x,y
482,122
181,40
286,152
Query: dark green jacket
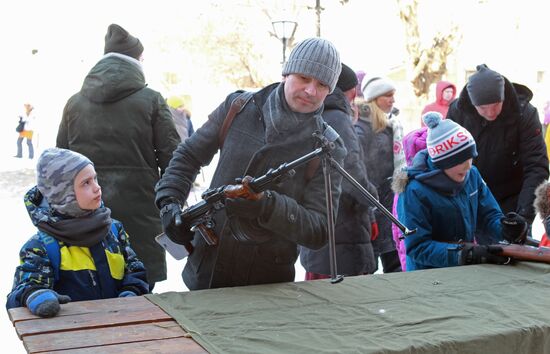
x,y
126,129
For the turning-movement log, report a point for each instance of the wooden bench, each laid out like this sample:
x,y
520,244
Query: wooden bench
x,y
119,325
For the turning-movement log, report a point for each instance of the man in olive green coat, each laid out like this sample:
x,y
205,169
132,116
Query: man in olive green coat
x,y
127,130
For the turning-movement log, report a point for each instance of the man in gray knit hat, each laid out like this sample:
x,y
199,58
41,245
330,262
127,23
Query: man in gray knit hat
x,y
255,132
506,127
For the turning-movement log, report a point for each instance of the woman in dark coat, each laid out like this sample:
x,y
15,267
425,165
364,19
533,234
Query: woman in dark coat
x,y
380,134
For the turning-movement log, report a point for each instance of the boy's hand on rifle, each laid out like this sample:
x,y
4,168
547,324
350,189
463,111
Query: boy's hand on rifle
x,y
477,254
514,228
173,225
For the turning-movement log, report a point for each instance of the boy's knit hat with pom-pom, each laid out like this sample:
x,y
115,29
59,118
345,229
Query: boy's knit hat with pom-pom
x,y
448,143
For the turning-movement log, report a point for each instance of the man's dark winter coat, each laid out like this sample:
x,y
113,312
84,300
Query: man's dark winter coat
x,y
298,203
512,155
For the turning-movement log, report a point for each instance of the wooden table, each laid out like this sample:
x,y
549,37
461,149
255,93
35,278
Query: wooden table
x,y
120,325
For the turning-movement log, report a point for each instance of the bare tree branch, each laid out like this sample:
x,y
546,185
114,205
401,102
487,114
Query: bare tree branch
x,y
428,64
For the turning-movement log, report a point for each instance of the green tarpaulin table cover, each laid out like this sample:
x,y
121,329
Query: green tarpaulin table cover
x,y
471,309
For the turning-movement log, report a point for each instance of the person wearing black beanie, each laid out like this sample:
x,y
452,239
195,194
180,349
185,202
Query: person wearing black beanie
x,y
347,79
118,40
506,127
354,221
485,86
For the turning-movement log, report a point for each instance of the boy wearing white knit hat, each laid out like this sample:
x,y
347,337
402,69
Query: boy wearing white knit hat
x,y
444,197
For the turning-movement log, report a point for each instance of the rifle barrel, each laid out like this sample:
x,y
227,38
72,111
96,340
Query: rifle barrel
x,y
526,253
259,184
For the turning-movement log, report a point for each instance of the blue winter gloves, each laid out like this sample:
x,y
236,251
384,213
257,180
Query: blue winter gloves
x,y
127,293
514,228
45,302
173,225
477,254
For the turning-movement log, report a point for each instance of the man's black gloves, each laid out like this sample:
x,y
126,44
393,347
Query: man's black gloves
x,y
477,254
173,224
249,209
514,228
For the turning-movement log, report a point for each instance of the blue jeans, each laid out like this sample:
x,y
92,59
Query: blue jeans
x,y
20,148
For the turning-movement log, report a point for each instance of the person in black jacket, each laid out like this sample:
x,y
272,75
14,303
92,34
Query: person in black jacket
x,y
353,230
506,127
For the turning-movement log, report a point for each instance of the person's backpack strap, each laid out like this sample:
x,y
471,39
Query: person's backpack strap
x,y
52,249
114,229
236,106
54,254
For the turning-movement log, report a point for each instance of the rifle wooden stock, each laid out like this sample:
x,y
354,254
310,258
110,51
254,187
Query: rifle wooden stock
x,y
242,191
526,253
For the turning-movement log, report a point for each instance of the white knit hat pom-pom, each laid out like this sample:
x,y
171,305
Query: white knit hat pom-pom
x,y
432,119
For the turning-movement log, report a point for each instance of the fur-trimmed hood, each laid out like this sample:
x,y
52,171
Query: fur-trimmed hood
x,y
542,199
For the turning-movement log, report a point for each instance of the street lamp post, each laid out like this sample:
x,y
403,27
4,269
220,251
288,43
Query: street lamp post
x,y
284,30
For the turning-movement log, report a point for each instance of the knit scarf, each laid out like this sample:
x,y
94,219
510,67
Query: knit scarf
x,y
84,231
280,119
398,153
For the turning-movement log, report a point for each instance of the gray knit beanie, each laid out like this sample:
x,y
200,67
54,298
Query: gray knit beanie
x,y
485,86
377,87
118,40
316,58
56,170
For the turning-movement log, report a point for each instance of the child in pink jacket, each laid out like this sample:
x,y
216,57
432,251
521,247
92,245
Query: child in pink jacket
x,y
413,142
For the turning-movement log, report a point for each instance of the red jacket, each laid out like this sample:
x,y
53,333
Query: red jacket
x,y
440,105
544,241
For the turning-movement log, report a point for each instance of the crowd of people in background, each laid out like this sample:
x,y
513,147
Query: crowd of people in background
x,y
474,173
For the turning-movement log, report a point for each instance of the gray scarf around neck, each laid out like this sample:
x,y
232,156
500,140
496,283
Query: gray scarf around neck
x,y
279,118
84,231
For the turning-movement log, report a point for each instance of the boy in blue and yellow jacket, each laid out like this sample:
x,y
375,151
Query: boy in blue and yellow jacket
x,y
79,252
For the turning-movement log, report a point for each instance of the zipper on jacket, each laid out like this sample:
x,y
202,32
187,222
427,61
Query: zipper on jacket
x,y
92,277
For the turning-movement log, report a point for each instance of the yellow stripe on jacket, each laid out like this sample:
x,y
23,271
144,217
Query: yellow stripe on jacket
x,y
74,258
